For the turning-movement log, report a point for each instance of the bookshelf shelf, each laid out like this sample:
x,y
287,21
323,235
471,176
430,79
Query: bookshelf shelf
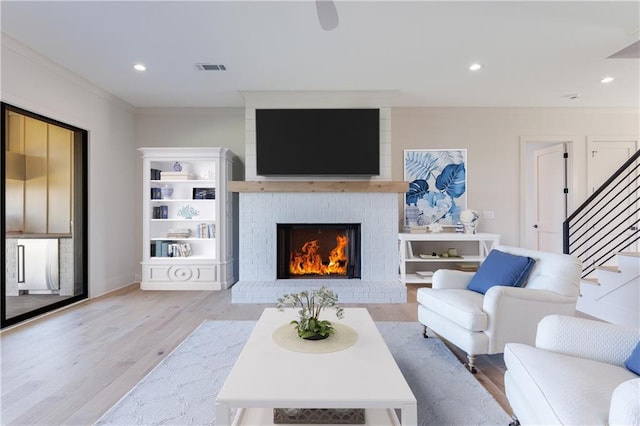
x,y
421,254
182,200
201,257
202,219
160,182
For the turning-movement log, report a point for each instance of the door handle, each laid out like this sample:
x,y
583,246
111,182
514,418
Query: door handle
x,y
535,226
20,263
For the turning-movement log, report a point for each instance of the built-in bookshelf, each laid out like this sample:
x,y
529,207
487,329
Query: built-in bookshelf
x,y
187,219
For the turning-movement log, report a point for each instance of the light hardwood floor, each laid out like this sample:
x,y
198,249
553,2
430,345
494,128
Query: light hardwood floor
x,y
71,366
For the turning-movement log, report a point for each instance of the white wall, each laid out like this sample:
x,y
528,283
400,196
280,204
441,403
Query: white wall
x,y
218,127
34,83
492,139
491,136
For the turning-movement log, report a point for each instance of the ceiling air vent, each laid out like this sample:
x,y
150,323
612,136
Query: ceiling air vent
x,y
211,67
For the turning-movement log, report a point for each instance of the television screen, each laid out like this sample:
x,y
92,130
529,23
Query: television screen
x,y
318,142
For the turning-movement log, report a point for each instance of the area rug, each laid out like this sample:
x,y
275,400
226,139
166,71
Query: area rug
x,y
182,389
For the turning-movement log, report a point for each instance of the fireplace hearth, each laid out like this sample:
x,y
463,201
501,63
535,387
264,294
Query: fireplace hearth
x,y
318,250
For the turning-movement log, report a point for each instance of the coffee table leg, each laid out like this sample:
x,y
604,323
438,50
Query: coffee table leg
x,y
223,414
409,415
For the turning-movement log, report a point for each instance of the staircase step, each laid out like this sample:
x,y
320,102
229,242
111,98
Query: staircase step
x,y
608,268
591,281
628,253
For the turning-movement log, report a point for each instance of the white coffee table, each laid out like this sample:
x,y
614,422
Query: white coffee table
x,y
267,376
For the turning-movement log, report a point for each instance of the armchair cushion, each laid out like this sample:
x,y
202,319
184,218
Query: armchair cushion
x,y
461,307
501,269
633,362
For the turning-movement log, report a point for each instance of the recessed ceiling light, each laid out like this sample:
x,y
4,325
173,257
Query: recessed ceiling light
x,y
606,80
139,67
475,67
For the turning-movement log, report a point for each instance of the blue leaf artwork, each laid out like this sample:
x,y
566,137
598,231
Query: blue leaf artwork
x,y
452,180
438,184
417,189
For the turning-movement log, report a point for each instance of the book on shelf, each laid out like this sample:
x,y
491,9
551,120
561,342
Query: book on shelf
x,y
415,229
179,250
176,176
206,230
160,212
179,233
204,193
155,174
169,248
156,194
467,267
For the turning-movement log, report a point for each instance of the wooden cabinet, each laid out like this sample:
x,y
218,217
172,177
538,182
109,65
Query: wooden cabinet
x,y
187,219
39,171
423,254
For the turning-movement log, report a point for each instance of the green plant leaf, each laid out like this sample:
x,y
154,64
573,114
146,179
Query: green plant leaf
x,y
307,334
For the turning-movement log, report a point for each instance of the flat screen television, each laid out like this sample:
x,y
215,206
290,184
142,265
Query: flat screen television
x,y
317,142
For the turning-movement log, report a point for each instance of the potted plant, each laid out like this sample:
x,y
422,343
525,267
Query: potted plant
x,y
309,326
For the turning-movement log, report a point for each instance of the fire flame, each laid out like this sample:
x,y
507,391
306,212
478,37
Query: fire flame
x,y
309,262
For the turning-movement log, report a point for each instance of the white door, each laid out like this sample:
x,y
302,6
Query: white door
x,y
545,175
604,157
549,203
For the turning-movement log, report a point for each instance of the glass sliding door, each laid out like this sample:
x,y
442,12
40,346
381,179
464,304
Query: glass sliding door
x,y
44,215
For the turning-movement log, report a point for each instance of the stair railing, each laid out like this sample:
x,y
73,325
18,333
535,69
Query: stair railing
x,y
608,221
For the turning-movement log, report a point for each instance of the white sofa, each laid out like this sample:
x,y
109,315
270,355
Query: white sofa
x,y
575,374
482,323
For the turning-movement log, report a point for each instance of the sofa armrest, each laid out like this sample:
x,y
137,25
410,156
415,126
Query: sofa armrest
x,y
514,313
584,338
625,403
450,279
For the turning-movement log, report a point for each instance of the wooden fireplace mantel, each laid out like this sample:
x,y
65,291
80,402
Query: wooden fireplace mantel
x,y
318,186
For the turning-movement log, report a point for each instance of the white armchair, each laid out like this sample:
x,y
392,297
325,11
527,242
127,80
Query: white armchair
x,y
483,323
574,375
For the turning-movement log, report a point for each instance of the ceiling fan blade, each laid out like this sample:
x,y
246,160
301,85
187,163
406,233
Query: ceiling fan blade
x,y
327,14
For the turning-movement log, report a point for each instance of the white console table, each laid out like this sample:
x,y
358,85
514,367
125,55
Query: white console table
x,y
420,254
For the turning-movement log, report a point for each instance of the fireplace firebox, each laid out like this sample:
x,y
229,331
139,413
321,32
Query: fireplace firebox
x,y
318,250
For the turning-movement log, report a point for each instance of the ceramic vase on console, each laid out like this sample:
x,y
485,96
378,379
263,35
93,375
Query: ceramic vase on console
x,y
412,215
469,220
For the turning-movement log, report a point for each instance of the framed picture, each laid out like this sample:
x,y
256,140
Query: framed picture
x,y
204,193
437,186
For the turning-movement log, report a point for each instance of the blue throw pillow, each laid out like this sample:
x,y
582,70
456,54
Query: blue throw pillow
x,y
500,268
633,362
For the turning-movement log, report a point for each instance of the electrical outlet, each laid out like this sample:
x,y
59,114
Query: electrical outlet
x,y
488,214
137,278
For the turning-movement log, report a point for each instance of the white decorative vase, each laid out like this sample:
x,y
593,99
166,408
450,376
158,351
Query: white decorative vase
x,y
470,227
166,192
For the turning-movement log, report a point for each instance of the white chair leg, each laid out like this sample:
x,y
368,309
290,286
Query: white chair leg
x,y
471,364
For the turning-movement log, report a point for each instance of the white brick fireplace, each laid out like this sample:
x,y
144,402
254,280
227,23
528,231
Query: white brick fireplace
x,y
376,212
